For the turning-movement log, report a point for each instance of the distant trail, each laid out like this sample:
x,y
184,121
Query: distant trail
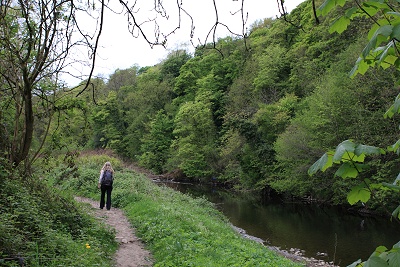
x,y
131,252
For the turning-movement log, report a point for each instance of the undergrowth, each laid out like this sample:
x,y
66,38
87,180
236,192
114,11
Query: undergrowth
x,y
44,226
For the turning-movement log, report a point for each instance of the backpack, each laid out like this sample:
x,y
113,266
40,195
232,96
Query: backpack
x,y
107,178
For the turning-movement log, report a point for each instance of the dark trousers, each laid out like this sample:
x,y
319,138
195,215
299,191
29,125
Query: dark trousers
x,y
105,189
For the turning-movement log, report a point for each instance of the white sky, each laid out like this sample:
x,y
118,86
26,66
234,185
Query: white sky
x,y
120,50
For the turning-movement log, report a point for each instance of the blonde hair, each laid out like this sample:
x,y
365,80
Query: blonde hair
x,y
107,166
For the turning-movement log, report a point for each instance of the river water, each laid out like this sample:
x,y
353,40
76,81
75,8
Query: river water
x,y
326,233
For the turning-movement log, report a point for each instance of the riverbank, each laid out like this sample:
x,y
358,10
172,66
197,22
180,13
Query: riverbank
x,y
321,234
294,254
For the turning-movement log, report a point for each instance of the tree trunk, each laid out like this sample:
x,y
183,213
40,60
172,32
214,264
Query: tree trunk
x,y
28,133
21,152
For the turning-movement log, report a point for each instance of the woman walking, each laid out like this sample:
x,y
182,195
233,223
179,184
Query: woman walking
x,y
105,184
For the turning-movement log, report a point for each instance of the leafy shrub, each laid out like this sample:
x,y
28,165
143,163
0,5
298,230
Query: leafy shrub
x,y
41,226
97,161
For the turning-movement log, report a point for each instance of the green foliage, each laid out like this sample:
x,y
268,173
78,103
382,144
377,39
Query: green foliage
x,y
273,119
273,70
182,225
71,127
174,62
138,105
395,108
44,227
194,139
351,157
121,78
319,121
381,50
381,257
96,161
108,124
254,117
156,144
348,153
340,108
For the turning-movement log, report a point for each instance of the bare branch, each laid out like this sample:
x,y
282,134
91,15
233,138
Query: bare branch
x,y
95,48
283,13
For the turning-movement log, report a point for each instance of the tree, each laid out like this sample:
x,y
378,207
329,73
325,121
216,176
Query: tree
x,y
37,38
139,104
156,143
108,124
122,78
194,142
172,65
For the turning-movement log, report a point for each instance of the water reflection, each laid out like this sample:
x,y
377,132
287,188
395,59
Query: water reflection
x,y
324,233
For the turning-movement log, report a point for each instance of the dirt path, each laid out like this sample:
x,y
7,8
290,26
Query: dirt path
x,y
131,252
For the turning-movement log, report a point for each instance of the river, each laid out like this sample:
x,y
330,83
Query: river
x,y
326,233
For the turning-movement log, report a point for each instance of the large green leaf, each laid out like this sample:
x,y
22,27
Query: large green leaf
x,y
371,10
375,261
396,32
344,147
350,170
395,147
394,257
322,164
347,170
368,150
391,186
372,31
379,250
351,12
387,56
347,153
396,212
358,193
373,7
340,25
350,156
361,67
391,59
328,5
395,108
356,264
378,37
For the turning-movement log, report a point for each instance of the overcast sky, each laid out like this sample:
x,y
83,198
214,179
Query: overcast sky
x,y
119,50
